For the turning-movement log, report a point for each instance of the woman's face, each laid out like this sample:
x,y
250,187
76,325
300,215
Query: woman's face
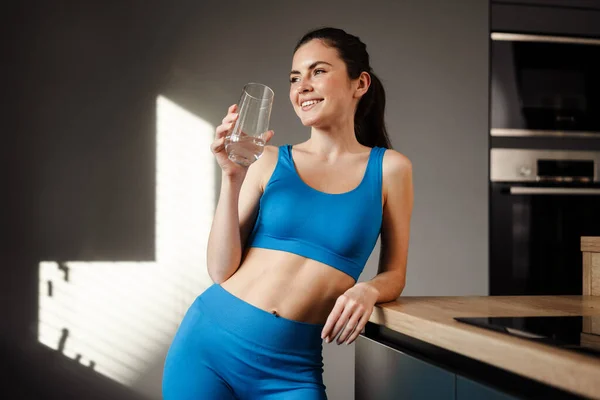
x,y
320,89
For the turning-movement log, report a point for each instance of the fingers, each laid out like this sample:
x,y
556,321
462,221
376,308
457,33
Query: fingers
x,y
340,324
218,145
350,327
230,117
232,108
348,320
226,127
361,324
338,318
334,316
345,322
227,123
224,130
268,136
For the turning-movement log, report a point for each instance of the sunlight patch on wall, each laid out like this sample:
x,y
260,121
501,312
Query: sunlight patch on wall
x,y
119,317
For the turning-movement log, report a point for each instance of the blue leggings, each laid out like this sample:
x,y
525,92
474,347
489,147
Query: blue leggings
x,y
226,348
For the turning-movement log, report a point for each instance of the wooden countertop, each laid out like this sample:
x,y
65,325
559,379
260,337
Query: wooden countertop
x,y
590,243
430,319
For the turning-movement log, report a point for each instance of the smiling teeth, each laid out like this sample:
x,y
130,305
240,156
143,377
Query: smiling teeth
x,y
310,102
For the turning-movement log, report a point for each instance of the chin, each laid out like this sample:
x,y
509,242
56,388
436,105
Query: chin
x,y
313,121
308,123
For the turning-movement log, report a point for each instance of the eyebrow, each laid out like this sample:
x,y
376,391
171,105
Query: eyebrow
x,y
311,66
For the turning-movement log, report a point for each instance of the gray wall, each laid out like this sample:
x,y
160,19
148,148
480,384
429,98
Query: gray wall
x,y
432,56
82,164
77,161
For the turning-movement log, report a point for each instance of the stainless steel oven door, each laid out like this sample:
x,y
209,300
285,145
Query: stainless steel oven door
x,y
535,237
541,203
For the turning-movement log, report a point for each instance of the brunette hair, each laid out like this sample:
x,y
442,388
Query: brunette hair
x,y
369,123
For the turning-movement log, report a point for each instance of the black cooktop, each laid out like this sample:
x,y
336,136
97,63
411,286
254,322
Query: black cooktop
x,y
563,332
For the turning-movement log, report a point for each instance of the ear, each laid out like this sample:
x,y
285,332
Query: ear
x,y
363,84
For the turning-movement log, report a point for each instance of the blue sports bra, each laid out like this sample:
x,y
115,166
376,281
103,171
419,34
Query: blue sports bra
x,y
339,230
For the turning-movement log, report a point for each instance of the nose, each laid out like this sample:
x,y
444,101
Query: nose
x,y
304,87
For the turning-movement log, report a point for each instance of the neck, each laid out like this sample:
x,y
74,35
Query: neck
x,y
333,141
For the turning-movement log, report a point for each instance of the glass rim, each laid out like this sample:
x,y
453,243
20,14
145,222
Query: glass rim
x,y
259,84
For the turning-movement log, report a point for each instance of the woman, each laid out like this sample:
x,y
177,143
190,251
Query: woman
x,y
292,233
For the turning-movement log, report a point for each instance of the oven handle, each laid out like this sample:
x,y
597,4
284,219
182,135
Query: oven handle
x,y
554,191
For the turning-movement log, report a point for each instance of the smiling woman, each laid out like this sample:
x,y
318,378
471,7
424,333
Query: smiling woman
x,y
291,235
330,66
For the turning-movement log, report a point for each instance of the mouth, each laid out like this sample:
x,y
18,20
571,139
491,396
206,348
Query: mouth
x,y
309,104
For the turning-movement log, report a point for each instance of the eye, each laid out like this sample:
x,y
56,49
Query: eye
x,y
319,70
293,79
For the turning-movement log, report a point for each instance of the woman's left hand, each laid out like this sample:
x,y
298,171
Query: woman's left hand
x,y
350,314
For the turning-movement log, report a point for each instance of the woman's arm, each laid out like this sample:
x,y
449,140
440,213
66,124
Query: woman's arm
x,y
398,193
353,309
234,218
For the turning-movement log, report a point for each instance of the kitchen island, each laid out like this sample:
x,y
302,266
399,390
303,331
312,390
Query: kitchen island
x,y
415,348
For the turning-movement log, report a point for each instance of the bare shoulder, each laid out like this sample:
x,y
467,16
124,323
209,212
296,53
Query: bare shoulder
x,y
397,173
268,158
395,163
263,168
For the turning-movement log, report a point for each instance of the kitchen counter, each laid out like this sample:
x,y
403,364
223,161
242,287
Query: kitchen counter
x,y
414,348
590,244
590,247
431,320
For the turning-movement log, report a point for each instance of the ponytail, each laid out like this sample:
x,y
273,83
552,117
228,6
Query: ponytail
x,y
369,123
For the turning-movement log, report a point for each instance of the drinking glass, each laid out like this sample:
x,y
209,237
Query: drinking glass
x,y
246,142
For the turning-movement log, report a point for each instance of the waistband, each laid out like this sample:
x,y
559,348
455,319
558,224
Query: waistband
x,y
259,326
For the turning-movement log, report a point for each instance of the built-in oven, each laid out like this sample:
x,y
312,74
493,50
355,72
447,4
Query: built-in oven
x,y
541,203
544,85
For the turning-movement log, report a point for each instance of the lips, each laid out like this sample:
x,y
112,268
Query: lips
x,y
308,104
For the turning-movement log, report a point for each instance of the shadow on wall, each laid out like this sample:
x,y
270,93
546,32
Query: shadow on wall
x,y
107,229
118,318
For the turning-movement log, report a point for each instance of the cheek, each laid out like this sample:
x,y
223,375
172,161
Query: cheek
x,y
293,97
294,107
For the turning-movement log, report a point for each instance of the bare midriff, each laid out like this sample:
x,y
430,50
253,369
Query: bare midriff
x,y
288,285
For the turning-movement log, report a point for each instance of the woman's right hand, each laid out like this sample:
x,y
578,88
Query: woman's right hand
x,y
229,167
